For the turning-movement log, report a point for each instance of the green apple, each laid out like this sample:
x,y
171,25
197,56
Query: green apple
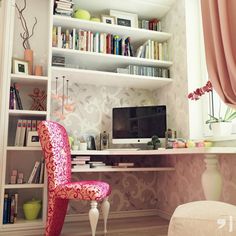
x,y
82,14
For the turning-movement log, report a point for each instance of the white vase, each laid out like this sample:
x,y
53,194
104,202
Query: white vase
x,y
221,129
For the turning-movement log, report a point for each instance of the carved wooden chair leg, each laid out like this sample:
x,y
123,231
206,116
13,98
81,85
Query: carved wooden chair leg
x,y
93,216
105,211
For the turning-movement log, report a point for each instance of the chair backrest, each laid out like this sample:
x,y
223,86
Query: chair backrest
x,y
56,149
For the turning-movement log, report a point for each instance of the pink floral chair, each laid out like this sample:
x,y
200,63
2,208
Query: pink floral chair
x,y
56,149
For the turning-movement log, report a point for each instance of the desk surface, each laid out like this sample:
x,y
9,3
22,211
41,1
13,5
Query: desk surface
x,y
176,151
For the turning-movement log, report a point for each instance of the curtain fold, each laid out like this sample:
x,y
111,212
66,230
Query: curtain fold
x,y
219,28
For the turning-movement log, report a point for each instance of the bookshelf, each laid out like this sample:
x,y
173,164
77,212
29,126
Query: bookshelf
x,y
95,68
22,159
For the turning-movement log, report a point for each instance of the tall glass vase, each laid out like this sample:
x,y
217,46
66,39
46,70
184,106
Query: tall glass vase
x,y
28,56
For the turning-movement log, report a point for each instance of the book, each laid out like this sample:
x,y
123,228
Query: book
x,y
5,212
33,172
16,207
12,209
42,172
18,131
17,96
22,133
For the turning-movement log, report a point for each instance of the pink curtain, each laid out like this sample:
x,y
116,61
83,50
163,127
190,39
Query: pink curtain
x,y
219,27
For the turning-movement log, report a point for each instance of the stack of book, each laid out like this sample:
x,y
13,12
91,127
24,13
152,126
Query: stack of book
x,y
10,206
22,129
80,162
153,50
15,100
145,71
153,24
97,164
93,42
64,7
123,165
37,173
58,61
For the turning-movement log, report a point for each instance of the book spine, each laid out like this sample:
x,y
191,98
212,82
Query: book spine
x,y
12,209
32,175
5,218
16,207
18,131
22,133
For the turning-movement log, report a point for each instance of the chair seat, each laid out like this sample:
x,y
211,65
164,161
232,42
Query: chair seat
x,y
84,190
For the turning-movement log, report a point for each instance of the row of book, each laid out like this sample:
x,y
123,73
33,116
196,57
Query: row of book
x,y
153,50
64,7
22,129
10,205
153,24
37,173
145,71
92,42
15,100
84,162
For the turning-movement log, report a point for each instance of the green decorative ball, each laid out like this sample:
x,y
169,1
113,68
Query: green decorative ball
x,y
82,14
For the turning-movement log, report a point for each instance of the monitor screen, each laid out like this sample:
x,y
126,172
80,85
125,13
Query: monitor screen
x,y
138,124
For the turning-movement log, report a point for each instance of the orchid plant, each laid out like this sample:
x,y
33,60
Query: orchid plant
x,y
230,113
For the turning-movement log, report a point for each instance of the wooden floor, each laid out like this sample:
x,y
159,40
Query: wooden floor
x,y
142,226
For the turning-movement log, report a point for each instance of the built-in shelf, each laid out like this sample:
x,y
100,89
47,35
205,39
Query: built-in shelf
x,y
137,36
23,186
29,79
133,169
15,148
24,223
175,151
102,61
110,79
27,113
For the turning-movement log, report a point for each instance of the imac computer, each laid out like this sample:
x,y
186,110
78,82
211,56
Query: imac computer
x,y
132,125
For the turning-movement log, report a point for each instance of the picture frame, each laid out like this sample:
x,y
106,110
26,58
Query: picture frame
x,y
33,139
108,19
20,66
125,18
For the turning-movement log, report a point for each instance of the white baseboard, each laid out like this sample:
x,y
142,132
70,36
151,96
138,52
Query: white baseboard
x,y
113,215
164,214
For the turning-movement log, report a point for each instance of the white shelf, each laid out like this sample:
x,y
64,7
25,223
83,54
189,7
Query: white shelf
x,y
27,113
20,186
133,169
137,36
110,79
29,79
15,148
22,223
146,9
175,151
102,61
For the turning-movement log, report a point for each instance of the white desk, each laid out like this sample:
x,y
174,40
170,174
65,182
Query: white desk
x,y
211,177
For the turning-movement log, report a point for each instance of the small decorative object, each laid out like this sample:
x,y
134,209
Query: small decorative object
x,y
108,19
33,139
20,66
32,209
39,100
83,146
91,143
125,18
26,35
38,70
190,144
155,143
104,140
82,14
95,19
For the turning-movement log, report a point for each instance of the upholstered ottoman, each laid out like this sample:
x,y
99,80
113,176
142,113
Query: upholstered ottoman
x,y
203,218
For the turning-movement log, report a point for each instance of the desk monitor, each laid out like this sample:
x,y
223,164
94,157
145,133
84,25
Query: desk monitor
x,y
138,124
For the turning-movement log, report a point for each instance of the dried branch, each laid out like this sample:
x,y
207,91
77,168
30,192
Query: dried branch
x,y
25,35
